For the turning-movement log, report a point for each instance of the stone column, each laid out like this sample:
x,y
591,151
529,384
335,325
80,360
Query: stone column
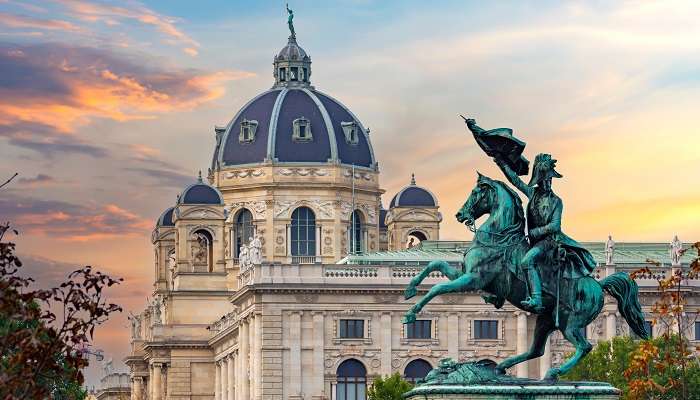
x,y
319,346
217,381
521,342
230,377
243,346
453,336
546,359
295,354
137,388
385,343
256,357
157,385
610,325
223,375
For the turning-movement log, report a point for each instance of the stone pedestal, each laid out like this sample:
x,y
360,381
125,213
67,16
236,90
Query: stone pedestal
x,y
560,391
481,381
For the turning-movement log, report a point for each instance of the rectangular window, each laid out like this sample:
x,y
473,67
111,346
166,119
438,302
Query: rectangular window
x,y
351,328
697,331
485,329
305,75
294,73
421,329
283,74
302,131
649,328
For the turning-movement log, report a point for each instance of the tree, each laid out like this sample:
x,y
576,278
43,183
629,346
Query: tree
x,y
609,361
666,367
390,388
40,356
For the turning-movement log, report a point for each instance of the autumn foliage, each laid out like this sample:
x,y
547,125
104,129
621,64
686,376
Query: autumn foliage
x,y
662,368
42,330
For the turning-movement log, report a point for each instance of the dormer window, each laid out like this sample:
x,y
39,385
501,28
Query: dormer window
x,y
351,131
294,73
283,74
248,129
302,130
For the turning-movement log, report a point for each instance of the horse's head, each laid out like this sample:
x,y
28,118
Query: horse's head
x,y
479,202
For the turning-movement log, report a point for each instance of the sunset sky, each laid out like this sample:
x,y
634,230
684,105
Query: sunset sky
x,y
107,110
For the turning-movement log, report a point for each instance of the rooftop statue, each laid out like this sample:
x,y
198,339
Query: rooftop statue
x,y
675,249
544,272
290,22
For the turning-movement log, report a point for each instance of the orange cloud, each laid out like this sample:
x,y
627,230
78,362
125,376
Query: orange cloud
x,y
110,15
23,21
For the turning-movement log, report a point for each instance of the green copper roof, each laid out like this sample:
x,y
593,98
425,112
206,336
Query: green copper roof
x,y
451,251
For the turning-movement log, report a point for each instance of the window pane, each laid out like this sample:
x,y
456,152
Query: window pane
x,y
351,391
361,391
697,331
343,328
340,391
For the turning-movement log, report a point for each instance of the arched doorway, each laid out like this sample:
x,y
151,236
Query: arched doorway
x,y
414,238
352,381
416,369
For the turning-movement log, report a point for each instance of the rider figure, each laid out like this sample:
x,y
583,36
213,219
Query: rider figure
x,y
543,221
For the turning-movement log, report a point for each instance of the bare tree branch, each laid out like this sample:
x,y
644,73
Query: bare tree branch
x,y
9,180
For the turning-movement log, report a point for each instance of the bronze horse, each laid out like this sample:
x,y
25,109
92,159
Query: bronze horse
x,y
491,265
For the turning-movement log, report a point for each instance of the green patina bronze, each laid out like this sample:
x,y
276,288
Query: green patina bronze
x,y
544,272
481,377
290,22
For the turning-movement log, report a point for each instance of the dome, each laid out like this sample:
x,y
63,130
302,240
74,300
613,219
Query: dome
x,y
166,219
413,196
200,193
293,123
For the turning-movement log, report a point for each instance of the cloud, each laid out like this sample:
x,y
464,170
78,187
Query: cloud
x,y
38,180
48,90
164,178
65,221
110,15
24,21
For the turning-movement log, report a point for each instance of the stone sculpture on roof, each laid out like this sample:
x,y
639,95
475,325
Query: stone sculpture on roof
x,y
609,251
675,249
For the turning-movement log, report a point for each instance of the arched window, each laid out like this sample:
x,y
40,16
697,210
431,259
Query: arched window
x,y
416,369
202,251
355,232
303,232
244,230
352,381
414,238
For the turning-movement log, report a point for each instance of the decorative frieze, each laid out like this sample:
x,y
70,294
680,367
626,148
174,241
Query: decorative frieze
x,y
258,208
302,172
246,173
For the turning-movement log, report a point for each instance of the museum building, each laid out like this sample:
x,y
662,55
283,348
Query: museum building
x,y
280,275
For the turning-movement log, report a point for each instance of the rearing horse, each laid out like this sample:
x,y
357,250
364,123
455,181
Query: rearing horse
x,y
492,265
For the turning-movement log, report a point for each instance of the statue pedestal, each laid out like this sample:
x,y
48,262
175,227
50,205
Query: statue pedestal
x,y
480,381
551,391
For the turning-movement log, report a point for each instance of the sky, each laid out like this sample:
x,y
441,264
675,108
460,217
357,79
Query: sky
x,y
107,110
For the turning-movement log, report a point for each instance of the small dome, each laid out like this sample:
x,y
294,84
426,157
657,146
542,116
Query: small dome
x,y
200,193
292,52
166,219
413,196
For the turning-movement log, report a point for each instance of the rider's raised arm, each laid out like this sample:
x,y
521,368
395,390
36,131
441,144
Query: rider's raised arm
x,y
514,178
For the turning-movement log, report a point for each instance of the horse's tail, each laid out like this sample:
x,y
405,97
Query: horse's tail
x,y
625,291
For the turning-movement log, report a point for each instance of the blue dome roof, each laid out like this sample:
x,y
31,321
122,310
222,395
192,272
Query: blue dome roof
x,y
274,113
166,219
200,193
413,196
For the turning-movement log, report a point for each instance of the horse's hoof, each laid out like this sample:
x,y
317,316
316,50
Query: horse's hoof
x,y
408,318
552,375
409,292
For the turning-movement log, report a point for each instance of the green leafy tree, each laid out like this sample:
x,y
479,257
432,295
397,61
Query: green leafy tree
x,y
40,356
390,388
606,363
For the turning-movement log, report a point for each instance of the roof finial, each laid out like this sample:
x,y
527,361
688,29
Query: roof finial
x,y
413,179
290,22
199,177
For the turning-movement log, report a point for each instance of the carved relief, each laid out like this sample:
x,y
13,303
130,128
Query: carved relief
x,y
306,298
257,207
358,174
323,208
371,213
302,172
247,173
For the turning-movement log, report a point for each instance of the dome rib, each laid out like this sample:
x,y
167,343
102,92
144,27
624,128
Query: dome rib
x,y
328,122
274,117
200,193
413,195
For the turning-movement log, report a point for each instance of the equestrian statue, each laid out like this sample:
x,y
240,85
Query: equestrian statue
x,y
529,261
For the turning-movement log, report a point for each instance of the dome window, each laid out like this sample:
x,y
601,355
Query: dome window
x,y
248,129
305,74
351,130
283,74
302,130
294,74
